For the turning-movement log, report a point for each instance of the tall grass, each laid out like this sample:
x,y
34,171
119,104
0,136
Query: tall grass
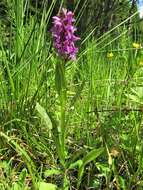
x,y
77,127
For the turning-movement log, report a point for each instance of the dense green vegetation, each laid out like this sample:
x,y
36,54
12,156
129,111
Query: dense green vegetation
x,y
73,126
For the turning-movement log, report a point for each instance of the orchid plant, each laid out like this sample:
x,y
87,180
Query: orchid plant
x,y
64,43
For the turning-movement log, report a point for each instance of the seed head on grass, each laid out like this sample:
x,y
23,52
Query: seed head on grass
x,y
63,34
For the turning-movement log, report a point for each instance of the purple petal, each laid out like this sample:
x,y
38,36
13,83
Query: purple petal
x,y
63,34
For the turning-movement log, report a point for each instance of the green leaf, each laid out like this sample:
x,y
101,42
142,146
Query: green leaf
x,y
122,183
51,172
92,155
21,180
78,163
44,116
66,183
47,186
103,168
16,186
22,175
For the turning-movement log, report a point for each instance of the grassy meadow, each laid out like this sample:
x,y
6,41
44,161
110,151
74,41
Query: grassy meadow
x,y
73,126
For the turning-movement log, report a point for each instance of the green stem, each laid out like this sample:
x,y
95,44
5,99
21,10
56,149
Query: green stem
x,y
63,123
60,82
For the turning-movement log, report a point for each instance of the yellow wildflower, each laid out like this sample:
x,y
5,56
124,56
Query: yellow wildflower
x,y
110,55
140,63
136,45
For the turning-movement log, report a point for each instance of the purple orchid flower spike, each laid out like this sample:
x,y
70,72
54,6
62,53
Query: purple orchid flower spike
x,y
63,34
